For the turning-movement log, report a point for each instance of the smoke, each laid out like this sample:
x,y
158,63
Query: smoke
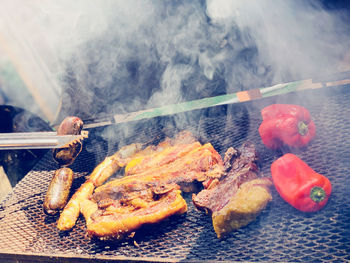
x,y
298,39
123,56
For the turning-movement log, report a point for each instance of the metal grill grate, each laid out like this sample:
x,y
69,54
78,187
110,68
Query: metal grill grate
x,y
280,233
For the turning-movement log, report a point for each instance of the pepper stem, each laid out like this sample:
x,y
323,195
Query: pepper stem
x,y
317,194
302,128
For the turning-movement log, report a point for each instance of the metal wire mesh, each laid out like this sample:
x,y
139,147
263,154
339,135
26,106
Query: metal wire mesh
x,y
280,233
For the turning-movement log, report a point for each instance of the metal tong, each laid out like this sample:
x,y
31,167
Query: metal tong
x,y
38,140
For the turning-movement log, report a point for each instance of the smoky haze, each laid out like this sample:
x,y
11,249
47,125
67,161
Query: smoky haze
x,y
123,56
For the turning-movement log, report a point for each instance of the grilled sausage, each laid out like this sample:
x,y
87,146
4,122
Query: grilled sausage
x,y
66,156
70,125
58,191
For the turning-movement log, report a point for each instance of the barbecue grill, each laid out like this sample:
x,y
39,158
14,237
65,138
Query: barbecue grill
x,y
279,234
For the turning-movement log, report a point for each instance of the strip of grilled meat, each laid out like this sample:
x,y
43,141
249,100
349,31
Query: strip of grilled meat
x,y
196,163
238,197
129,207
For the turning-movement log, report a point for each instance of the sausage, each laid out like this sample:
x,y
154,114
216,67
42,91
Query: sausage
x,y
70,125
66,156
58,191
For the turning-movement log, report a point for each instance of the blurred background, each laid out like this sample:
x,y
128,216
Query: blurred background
x,y
93,57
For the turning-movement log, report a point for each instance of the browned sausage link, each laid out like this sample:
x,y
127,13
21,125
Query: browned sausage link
x,y
58,191
66,156
70,125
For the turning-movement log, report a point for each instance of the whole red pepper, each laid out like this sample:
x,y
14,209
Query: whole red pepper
x,y
299,185
286,124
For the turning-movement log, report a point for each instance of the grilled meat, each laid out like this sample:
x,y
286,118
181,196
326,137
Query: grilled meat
x,y
241,166
66,156
179,164
99,175
128,207
57,194
238,197
70,125
71,211
150,190
250,199
107,168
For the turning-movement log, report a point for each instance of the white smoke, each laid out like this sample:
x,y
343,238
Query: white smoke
x,y
121,56
298,39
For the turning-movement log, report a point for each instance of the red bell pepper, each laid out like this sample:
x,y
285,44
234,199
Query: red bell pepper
x,y
286,124
299,185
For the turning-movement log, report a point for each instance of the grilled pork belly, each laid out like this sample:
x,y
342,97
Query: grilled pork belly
x,y
180,164
117,214
238,197
150,190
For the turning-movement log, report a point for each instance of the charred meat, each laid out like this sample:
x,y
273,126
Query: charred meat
x,y
239,196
